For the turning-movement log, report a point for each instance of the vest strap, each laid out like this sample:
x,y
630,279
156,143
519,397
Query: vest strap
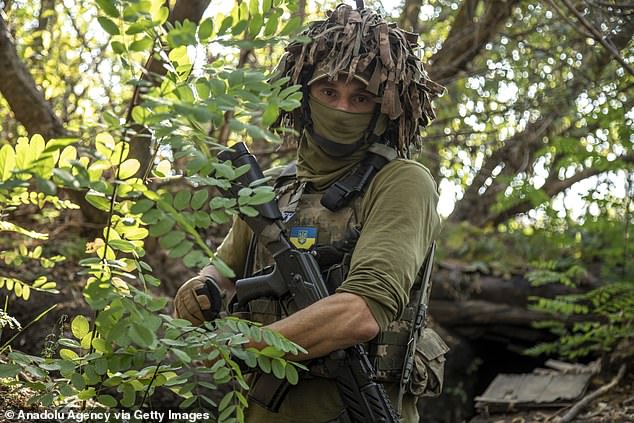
x,y
339,194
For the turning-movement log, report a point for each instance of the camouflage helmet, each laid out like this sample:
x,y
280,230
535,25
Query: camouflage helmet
x,y
361,43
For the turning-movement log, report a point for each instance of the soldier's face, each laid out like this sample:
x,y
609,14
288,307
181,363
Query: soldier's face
x,y
351,97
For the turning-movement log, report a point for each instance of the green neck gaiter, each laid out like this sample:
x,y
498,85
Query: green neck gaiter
x,y
321,169
340,133
317,165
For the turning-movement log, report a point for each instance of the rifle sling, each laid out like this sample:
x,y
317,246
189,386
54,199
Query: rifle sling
x,y
339,194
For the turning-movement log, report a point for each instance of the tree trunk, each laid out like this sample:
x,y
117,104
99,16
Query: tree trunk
x,y
19,89
468,36
409,16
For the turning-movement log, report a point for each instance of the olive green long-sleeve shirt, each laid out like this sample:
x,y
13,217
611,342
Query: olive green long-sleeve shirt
x,y
399,222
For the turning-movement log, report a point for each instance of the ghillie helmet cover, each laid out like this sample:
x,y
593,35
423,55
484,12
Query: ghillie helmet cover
x,y
363,43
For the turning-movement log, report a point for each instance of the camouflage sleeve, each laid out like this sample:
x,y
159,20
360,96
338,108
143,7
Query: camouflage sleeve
x,y
399,222
233,250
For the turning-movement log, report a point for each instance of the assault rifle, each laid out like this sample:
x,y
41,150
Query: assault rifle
x,y
296,273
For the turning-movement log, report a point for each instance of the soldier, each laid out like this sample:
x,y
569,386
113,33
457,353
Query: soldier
x,y
366,97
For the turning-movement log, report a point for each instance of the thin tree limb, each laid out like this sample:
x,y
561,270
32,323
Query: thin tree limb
x,y
599,37
468,36
568,20
579,406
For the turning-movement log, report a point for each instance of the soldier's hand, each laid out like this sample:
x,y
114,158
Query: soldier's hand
x,y
199,300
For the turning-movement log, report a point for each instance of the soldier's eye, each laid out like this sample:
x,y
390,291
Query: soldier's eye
x,y
328,92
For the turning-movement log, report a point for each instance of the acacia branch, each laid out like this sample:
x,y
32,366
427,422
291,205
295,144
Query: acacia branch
x,y
140,142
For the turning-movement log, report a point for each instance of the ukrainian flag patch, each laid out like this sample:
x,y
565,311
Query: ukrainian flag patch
x,y
303,237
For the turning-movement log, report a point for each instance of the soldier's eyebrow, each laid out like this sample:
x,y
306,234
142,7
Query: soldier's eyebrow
x,y
325,83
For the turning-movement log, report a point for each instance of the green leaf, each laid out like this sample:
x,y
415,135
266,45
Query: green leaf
x,y
80,327
129,395
182,355
202,219
77,381
101,366
220,216
109,8
199,198
122,245
141,206
222,267
9,370
141,335
189,401
270,114
98,200
205,30
107,400
264,363
181,201
152,217
100,345
67,354
249,211
143,44
7,162
194,258
239,27
255,25
162,15
136,234
108,26
162,227
171,239
182,249
278,368
136,28
262,195
67,178
118,47
292,26
86,394
271,24
226,24
128,168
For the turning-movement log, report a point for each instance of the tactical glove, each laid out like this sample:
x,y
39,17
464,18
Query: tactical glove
x,y
198,300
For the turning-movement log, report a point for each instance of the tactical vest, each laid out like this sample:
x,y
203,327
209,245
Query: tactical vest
x,y
331,236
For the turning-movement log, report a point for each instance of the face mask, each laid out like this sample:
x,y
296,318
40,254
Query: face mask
x,y
337,132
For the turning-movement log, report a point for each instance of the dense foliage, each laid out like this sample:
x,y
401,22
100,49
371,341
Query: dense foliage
x,y
532,150
127,349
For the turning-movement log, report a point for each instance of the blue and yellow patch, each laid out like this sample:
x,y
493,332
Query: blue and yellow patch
x,y
303,237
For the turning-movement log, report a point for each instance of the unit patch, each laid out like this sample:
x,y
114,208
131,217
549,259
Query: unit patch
x,y
303,237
